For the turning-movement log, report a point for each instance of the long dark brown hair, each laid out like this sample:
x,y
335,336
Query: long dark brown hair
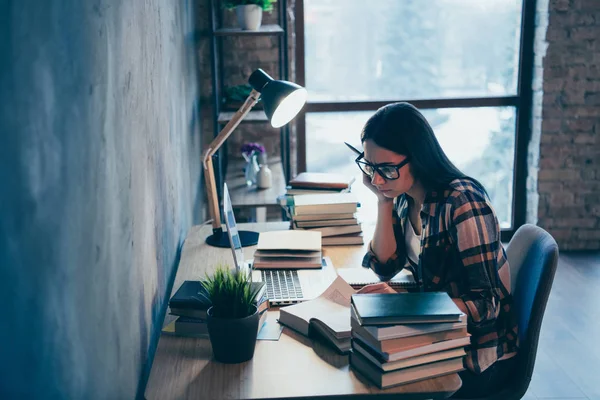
x,y
401,128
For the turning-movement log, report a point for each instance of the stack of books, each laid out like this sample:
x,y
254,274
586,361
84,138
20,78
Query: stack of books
x,y
190,304
319,183
406,337
288,250
333,215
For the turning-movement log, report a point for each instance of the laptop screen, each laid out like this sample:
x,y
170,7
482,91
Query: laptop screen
x,y
234,236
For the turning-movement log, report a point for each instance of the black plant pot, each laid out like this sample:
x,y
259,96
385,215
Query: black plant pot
x,y
233,339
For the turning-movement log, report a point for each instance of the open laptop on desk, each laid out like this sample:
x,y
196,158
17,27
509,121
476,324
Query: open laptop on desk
x,y
284,286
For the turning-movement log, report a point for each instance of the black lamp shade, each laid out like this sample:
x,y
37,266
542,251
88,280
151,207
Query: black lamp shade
x,y
282,100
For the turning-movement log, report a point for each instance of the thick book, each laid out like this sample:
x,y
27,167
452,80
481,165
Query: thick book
x,y
406,343
327,316
337,230
326,222
385,332
321,180
402,376
287,262
191,299
323,217
414,351
340,203
343,240
405,308
359,276
300,191
368,353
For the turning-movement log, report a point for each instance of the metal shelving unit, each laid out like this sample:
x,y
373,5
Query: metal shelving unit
x,y
221,117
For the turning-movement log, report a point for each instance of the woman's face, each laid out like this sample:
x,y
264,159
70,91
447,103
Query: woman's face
x,y
378,155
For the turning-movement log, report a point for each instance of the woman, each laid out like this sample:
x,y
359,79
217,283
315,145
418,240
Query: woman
x,y
439,224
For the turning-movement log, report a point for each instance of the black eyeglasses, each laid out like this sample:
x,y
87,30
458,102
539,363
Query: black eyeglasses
x,y
386,171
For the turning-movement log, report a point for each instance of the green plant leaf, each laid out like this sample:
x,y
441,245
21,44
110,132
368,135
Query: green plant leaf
x,y
266,5
230,293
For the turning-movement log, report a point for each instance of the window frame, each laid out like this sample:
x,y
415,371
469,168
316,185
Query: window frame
x,y
522,102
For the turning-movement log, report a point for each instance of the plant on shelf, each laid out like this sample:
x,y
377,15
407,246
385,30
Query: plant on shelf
x,y
249,12
265,5
235,96
233,317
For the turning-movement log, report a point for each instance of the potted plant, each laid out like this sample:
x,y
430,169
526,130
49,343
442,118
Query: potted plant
x,y
232,320
249,12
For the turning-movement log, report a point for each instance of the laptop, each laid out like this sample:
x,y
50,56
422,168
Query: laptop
x,y
284,286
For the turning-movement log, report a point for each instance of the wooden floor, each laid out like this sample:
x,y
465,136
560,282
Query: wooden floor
x,y
568,358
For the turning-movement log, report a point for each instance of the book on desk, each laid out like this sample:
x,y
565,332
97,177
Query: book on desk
x,y
327,316
190,304
425,338
288,250
334,215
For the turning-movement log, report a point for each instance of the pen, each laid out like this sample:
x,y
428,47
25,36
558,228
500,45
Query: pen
x,y
354,149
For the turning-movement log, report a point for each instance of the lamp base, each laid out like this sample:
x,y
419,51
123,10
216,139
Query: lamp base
x,y
221,239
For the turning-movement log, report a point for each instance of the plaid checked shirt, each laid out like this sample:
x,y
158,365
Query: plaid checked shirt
x,y
461,254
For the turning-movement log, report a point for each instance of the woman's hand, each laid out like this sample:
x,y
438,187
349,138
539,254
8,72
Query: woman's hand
x,y
372,188
377,288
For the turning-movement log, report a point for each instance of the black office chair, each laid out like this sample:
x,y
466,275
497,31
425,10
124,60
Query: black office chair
x,y
533,256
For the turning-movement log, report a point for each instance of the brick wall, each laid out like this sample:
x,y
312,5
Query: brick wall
x,y
563,181
566,122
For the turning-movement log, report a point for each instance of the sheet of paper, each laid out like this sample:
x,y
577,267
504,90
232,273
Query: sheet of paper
x,y
340,292
334,306
271,330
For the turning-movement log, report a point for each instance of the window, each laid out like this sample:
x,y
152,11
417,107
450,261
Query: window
x,y
457,60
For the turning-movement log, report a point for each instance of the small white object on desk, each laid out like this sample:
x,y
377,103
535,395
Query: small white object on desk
x,y
264,179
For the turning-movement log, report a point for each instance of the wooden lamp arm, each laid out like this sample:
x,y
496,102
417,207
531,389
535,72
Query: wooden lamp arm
x,y
213,147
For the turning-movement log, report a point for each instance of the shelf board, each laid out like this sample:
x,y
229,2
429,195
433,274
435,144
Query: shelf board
x,y
253,116
263,30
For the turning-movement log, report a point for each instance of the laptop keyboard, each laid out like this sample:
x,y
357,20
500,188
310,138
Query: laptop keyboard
x,y
282,284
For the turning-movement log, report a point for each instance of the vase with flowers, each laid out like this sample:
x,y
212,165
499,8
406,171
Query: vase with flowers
x,y
251,152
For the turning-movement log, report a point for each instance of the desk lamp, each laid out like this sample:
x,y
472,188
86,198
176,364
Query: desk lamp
x,y
282,101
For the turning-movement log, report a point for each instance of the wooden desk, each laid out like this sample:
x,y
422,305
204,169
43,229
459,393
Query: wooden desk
x,y
294,366
258,200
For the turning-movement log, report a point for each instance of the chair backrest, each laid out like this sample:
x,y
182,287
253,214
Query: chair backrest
x,y
533,256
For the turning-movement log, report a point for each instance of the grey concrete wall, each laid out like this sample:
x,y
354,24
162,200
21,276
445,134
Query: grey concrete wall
x,y
99,176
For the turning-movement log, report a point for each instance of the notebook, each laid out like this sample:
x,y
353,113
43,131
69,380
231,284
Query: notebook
x,y
405,308
359,277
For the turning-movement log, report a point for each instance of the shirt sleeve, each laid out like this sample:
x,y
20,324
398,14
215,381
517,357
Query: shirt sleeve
x,y
396,262
476,233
